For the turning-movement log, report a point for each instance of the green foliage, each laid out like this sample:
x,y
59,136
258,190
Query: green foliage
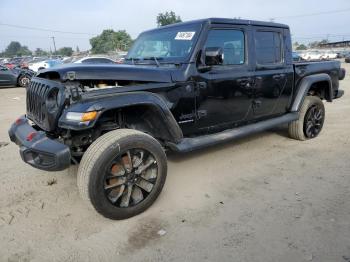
x,y
40,52
16,49
110,40
167,18
65,51
316,44
301,47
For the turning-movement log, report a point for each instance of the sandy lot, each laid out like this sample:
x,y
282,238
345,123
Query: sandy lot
x,y
263,198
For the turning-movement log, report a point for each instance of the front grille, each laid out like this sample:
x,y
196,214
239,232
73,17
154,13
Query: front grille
x,y
37,94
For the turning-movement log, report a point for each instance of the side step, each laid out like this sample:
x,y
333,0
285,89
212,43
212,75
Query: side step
x,y
190,144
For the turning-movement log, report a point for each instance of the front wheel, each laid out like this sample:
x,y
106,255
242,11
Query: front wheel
x,y
311,119
23,80
122,173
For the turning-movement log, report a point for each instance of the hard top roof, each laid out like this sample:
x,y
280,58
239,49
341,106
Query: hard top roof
x,y
225,21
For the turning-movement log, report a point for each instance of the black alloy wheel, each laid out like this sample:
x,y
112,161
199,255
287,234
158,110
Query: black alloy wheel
x,y
313,121
130,177
122,173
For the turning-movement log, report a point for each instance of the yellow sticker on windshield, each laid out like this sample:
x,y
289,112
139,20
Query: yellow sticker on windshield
x,y
184,35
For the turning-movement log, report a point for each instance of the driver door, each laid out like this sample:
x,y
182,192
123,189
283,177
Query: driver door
x,y
225,97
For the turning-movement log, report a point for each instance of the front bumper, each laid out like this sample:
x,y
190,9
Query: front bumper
x,y
37,149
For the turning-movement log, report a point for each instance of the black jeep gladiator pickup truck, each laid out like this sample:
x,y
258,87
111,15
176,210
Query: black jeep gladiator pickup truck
x,y
182,87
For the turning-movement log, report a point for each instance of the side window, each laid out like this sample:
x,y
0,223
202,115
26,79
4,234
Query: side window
x,y
88,61
104,61
268,47
232,43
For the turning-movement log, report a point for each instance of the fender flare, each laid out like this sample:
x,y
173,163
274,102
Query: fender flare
x,y
119,101
304,88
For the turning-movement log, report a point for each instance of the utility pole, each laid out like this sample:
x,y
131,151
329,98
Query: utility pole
x,y
54,44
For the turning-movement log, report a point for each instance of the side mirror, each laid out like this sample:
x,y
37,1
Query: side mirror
x,y
214,56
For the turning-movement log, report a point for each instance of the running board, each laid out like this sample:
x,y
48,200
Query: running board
x,y
190,144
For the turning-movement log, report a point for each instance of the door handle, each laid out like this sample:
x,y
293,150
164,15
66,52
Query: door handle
x,y
278,76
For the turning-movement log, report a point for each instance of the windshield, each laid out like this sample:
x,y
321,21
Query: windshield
x,y
168,45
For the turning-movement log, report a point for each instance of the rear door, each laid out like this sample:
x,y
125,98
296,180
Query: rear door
x,y
273,72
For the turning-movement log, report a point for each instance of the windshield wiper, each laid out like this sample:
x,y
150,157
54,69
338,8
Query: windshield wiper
x,y
155,59
132,59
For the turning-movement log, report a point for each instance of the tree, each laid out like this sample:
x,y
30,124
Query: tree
x,y
167,18
40,52
301,47
13,48
110,40
65,51
314,44
24,51
324,41
16,49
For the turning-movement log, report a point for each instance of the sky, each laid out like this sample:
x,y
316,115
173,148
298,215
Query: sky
x,y
307,19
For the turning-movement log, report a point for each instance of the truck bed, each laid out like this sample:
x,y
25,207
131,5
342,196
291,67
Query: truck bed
x,y
331,68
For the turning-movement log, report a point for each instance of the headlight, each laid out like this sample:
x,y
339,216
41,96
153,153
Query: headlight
x,y
81,117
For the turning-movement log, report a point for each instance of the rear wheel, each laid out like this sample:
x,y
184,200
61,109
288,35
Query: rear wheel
x,y
311,119
122,173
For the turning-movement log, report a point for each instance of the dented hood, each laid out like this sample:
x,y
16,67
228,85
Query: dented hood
x,y
110,72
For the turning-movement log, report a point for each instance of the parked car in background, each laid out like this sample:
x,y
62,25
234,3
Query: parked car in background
x,y
296,57
15,76
329,55
94,60
312,55
347,58
9,65
4,60
36,66
342,53
24,63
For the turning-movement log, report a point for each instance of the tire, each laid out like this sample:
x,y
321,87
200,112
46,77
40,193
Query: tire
x,y
113,154
23,81
301,129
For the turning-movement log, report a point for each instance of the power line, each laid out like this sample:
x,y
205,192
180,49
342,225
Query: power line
x,y
44,29
313,14
44,37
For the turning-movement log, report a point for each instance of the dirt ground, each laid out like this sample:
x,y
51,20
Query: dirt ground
x,y
263,198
